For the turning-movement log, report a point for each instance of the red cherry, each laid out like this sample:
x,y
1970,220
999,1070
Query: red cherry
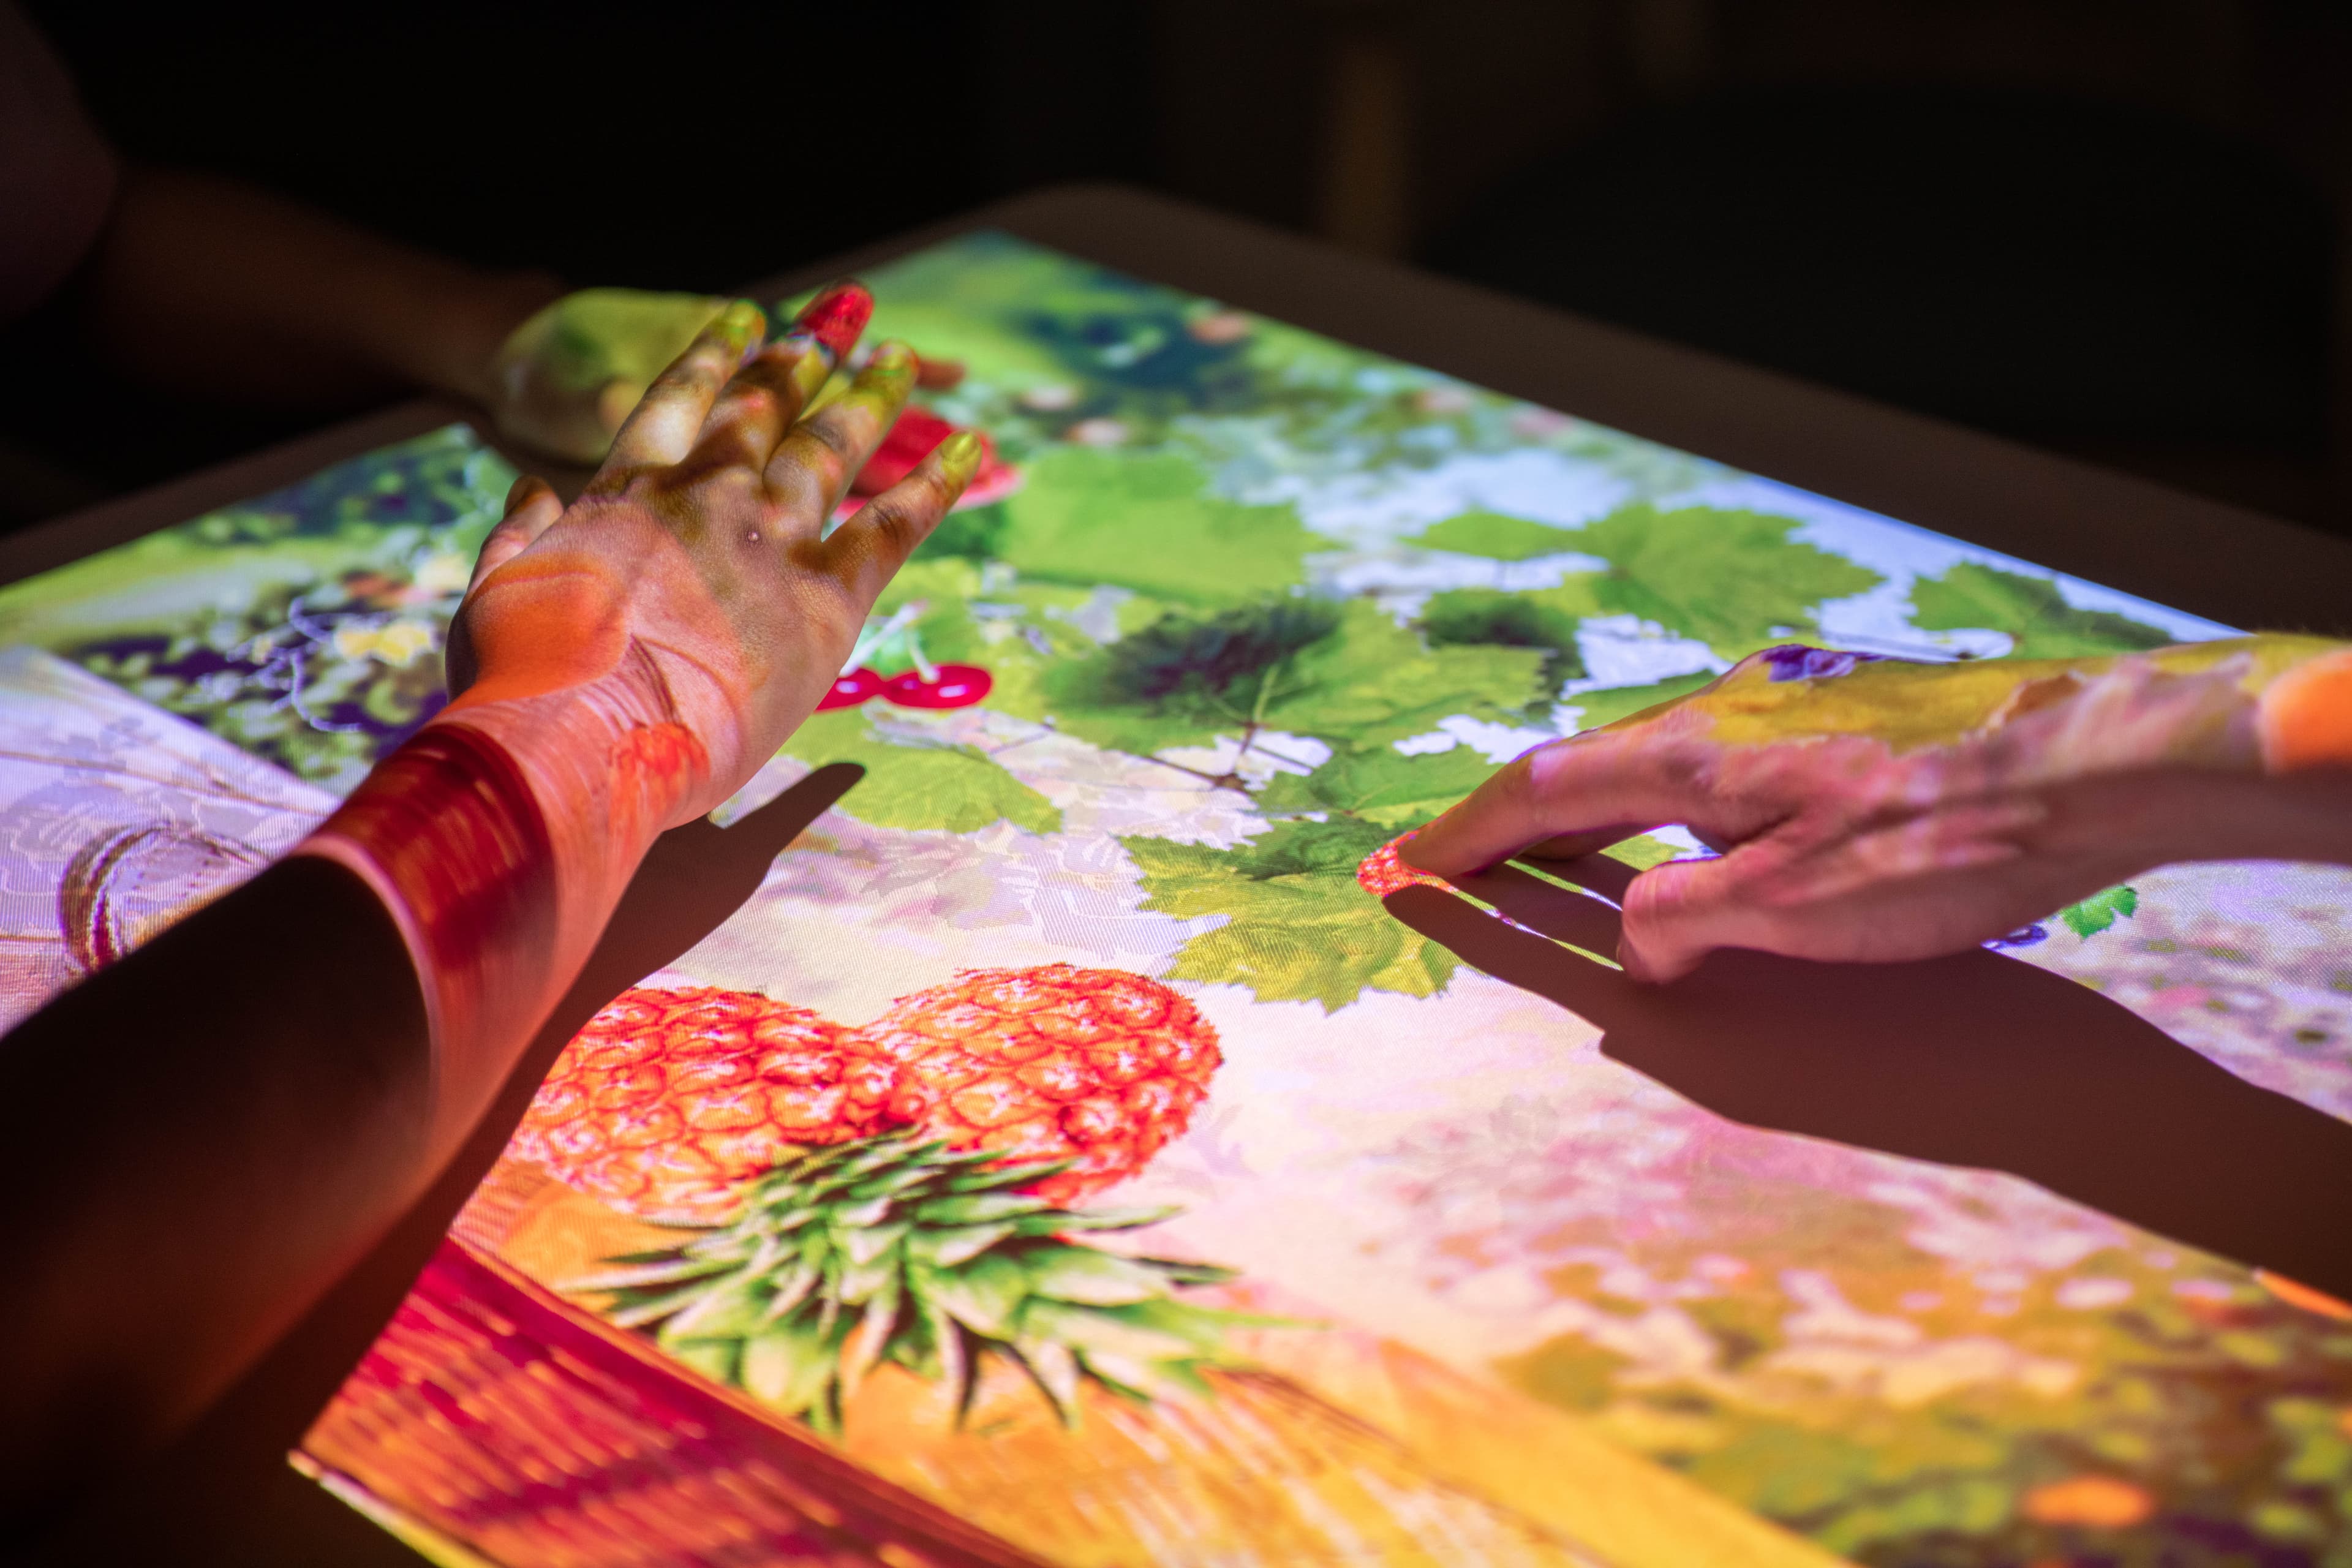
x,y
953,685
851,689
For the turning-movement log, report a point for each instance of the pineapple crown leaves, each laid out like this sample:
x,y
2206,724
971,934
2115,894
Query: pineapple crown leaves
x,y
891,1249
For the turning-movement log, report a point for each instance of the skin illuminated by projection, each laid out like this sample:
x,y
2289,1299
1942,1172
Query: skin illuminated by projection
x,y
622,666
565,380
1884,810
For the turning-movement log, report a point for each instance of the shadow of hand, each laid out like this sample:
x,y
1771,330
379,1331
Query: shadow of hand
x,y
1975,1059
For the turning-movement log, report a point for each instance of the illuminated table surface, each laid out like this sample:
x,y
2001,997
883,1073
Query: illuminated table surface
x,y
226,1493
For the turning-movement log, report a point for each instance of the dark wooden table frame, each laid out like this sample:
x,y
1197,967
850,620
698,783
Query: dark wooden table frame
x,y
225,1493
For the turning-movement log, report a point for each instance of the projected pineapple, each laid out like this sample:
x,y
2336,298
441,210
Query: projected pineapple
x,y
892,1192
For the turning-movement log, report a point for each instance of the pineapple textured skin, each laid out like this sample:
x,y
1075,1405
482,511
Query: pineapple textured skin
x,y
671,1102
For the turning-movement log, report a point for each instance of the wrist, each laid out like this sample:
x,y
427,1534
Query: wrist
x,y
499,838
450,838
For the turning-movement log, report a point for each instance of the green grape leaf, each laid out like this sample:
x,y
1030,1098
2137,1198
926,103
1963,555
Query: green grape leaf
x,y
1299,926
1380,785
1372,683
2031,611
1595,709
2100,910
1365,683
1641,852
1733,580
953,788
1545,621
1497,537
1149,523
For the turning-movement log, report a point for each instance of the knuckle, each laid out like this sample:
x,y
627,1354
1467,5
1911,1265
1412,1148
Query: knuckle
x,y
830,433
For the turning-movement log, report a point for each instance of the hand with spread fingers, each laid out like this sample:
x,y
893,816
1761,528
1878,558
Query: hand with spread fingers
x,y
564,382
623,665
1877,809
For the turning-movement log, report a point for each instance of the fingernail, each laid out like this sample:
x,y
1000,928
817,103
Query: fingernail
x,y
891,354
960,457
743,324
837,315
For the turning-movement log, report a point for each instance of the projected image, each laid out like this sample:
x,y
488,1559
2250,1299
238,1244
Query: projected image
x,y
1065,1159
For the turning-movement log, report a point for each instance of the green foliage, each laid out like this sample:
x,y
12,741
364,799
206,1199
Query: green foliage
x,y
2100,910
1365,683
1373,683
2031,610
1497,537
916,785
1595,709
1641,852
1380,785
888,1249
305,625
975,533
1299,926
1149,524
1476,615
1733,580
1206,659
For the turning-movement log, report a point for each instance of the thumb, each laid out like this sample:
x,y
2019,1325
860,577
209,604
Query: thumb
x,y
533,506
1677,913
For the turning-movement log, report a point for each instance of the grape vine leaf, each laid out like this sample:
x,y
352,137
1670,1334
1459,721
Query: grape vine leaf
x,y
1299,926
1641,852
1497,536
1372,683
956,789
1733,580
1367,682
1380,785
2031,611
1545,620
1148,522
2100,910
1595,709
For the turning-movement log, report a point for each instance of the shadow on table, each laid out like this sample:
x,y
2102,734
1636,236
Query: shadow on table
x,y
1975,1059
224,1493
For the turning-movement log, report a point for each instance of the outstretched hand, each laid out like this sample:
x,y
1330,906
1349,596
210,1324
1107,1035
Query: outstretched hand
x,y
692,594
1879,810
564,382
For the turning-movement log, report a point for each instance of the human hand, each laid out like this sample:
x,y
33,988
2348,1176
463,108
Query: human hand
x,y
565,380
1880,810
1973,1059
686,602
623,665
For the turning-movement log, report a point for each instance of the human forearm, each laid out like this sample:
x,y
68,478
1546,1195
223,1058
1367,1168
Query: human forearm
x,y
1879,809
210,286
202,1138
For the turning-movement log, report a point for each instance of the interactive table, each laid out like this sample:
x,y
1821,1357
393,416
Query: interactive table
x,y
1042,1146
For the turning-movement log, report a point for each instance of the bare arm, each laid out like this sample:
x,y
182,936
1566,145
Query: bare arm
x,y
210,288
1880,810
230,1116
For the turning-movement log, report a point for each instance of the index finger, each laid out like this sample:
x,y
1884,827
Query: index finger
x,y
1586,792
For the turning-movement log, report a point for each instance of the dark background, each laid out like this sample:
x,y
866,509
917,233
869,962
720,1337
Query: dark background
x,y
2107,227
